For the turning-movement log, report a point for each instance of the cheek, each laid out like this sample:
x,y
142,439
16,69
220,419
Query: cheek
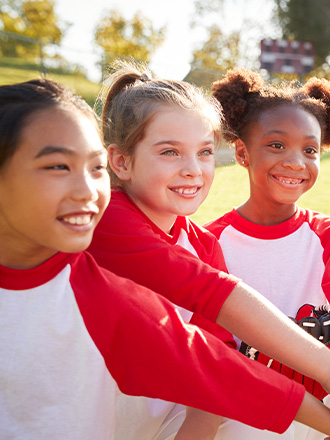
x,y
105,194
209,171
103,188
316,170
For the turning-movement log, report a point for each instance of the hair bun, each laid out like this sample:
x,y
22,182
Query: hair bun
x,y
233,92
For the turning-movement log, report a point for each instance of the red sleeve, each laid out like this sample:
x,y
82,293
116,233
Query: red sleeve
x,y
217,226
216,330
150,351
205,244
320,224
125,243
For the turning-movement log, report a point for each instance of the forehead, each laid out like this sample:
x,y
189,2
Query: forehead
x,y
169,117
286,112
58,126
288,118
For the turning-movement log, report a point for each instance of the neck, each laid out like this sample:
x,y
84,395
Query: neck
x,y
271,216
163,220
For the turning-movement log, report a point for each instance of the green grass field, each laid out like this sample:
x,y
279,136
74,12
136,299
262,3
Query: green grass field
x,y
231,188
15,70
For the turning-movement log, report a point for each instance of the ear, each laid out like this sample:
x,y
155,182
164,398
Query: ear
x,y
241,153
119,162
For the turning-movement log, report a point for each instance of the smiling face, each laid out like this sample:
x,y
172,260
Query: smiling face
x,y
282,154
172,167
53,190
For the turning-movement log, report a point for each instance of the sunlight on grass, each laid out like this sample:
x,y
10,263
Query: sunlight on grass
x,y
17,70
231,188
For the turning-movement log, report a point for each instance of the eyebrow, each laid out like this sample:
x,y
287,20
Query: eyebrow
x,y
174,142
53,150
49,149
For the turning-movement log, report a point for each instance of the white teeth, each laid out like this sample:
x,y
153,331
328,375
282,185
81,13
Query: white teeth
x,y
81,220
185,190
290,181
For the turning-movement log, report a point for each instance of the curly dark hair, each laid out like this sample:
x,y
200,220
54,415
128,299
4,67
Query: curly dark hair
x,y
244,95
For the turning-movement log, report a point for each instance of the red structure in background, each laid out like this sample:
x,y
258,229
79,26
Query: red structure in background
x,y
287,56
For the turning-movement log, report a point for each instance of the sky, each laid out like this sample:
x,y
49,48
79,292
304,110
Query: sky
x,y
172,59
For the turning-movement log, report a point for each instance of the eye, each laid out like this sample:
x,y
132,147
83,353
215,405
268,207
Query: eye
x,y
206,152
57,167
100,167
170,152
311,150
276,146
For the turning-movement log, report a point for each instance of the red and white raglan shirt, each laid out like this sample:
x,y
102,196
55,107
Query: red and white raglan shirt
x,y
288,263
129,244
70,331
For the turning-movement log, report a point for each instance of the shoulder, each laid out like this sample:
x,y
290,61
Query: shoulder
x,y
206,245
121,225
217,226
200,232
98,288
318,222
120,207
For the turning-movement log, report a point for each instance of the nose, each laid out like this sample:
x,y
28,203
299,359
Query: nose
x,y
294,161
191,167
84,188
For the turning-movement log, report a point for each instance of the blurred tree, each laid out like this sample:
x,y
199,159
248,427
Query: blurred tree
x,y
219,52
232,40
216,55
205,7
135,38
306,20
27,26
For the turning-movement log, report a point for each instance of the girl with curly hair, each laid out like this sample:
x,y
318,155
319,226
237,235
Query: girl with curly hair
x,y
271,243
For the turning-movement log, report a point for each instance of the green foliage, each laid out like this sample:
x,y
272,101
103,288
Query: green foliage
x,y
307,20
27,26
219,52
119,37
231,188
223,49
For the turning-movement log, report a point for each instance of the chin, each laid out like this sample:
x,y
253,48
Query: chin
x,y
76,247
186,213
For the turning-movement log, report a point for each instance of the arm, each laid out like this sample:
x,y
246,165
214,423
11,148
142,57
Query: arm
x,y
254,319
138,333
313,413
126,243
199,425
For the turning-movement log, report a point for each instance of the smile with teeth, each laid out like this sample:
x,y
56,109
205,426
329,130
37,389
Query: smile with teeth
x,y
289,180
78,219
188,191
